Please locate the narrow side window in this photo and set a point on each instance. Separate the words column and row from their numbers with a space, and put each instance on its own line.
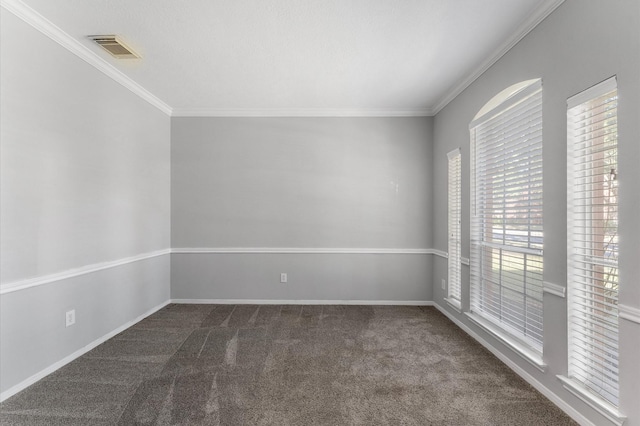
column 454, row 220
column 592, row 232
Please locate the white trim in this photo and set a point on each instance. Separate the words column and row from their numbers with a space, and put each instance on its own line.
column 503, row 96
column 520, row 348
column 453, row 153
column 499, row 103
column 629, row 313
column 465, row 261
column 76, row 272
column 455, row 304
column 33, row 18
column 304, row 302
column 440, row 253
column 592, row 92
column 300, row 112
column 64, row 361
column 300, row 250
column 525, row 27
column 598, row 404
column 554, row 289
column 95, row 267
column 553, row 397
column 46, row 27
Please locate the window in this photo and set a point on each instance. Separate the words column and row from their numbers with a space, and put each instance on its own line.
column 455, row 209
column 592, row 229
column 506, row 218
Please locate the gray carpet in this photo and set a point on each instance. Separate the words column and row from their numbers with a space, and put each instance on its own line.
column 285, row 365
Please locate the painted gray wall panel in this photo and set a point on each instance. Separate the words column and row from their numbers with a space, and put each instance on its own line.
column 399, row 277
column 306, row 183
column 84, row 179
column 84, row 166
column 32, row 321
column 301, row 182
column 579, row 45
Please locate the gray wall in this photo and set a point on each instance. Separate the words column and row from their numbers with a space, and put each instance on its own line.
column 33, row 332
column 359, row 183
column 579, row 45
column 84, row 180
column 85, row 176
column 311, row 277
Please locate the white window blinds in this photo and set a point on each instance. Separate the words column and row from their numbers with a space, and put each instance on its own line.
column 592, row 228
column 506, row 224
column 455, row 210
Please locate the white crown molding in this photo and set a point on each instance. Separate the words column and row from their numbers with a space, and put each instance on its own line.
column 299, row 112
column 46, row 27
column 297, row 250
column 304, row 302
column 629, row 313
column 33, row 18
column 64, row 361
column 554, row 289
column 76, row 272
column 525, row 27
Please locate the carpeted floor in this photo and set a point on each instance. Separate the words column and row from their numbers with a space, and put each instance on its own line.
column 285, row 365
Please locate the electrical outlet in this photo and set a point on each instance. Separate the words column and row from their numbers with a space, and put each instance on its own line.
column 444, row 284
column 70, row 317
column 283, row 277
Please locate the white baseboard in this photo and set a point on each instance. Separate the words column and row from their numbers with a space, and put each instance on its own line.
column 553, row 397
column 572, row 412
column 303, row 302
column 64, row 361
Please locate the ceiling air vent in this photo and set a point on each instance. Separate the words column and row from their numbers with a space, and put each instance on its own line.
column 114, row 45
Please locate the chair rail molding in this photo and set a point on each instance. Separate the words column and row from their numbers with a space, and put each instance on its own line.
column 629, row 313
column 95, row 267
column 76, row 272
column 300, row 250
column 554, row 289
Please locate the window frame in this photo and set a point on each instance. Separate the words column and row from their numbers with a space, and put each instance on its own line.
column 586, row 310
column 508, row 101
column 454, row 225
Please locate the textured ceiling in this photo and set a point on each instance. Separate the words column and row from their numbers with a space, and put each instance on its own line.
column 255, row 56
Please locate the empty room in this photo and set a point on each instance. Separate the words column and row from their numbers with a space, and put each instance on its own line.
column 339, row 212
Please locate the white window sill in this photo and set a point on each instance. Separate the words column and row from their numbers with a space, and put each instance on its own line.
column 594, row 401
column 526, row 352
column 455, row 304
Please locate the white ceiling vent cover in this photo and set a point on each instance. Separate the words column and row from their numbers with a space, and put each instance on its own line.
column 115, row 46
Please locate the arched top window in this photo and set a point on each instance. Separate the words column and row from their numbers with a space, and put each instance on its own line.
column 498, row 102
column 506, row 217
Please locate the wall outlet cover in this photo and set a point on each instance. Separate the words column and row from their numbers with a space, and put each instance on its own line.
column 70, row 317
